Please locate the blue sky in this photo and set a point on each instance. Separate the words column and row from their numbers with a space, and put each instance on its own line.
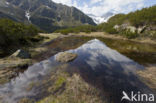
column 99, row 7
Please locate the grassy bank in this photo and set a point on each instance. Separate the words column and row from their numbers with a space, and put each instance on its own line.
column 107, row 35
column 11, row 66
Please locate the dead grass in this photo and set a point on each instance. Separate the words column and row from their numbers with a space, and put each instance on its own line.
column 113, row 36
column 9, row 66
column 13, row 62
column 65, row 57
column 148, row 76
column 38, row 49
column 71, row 89
column 49, row 37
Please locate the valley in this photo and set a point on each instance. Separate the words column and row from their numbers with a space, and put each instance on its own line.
column 54, row 53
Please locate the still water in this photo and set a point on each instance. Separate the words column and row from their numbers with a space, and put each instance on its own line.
column 99, row 63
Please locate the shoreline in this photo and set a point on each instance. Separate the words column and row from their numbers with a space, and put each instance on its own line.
column 114, row 36
column 10, row 67
column 144, row 75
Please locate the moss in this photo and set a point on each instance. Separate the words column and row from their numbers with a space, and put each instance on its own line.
column 59, row 81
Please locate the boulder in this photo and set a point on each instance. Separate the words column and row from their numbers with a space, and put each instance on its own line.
column 65, row 57
column 125, row 27
column 131, row 29
column 141, row 29
column 21, row 54
column 117, row 27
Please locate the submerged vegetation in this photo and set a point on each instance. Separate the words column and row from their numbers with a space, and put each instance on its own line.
column 62, row 86
column 14, row 35
column 70, row 88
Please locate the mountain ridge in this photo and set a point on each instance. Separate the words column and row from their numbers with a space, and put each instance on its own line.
column 43, row 13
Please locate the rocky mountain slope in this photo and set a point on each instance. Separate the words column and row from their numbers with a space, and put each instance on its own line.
column 43, row 13
column 101, row 19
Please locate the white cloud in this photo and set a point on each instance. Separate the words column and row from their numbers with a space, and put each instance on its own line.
column 66, row 2
column 75, row 4
column 99, row 7
column 95, row 1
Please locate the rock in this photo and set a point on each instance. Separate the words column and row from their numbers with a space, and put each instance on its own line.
column 117, row 27
column 125, row 27
column 65, row 57
column 131, row 29
column 21, row 54
column 141, row 29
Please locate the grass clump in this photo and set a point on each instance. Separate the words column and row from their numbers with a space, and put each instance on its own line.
column 70, row 88
column 148, row 76
column 76, row 90
column 59, row 82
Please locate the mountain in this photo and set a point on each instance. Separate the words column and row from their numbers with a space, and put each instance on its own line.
column 43, row 13
column 101, row 19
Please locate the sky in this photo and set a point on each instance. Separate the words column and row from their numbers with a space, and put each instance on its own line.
column 100, row 7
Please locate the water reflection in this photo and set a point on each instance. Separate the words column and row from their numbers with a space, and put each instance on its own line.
column 98, row 65
column 108, row 70
column 96, row 54
column 17, row 88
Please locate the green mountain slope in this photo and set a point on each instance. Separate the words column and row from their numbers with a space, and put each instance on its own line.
column 138, row 23
column 44, row 13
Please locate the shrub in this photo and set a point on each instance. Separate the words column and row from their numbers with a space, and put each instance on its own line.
column 154, row 35
column 14, row 35
column 111, row 31
column 128, row 34
column 146, row 16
